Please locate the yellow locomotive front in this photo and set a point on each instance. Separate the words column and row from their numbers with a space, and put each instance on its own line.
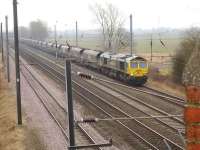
column 137, row 70
column 129, row 68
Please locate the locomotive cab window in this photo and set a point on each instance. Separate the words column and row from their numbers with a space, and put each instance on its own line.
column 134, row 65
column 105, row 61
column 143, row 65
column 122, row 65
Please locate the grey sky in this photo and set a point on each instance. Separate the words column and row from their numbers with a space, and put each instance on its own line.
column 147, row 14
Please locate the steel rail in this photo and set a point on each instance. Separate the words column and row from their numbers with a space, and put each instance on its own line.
column 53, row 117
column 61, row 80
column 174, row 99
column 158, row 133
column 157, row 93
column 139, row 100
column 46, row 107
column 44, row 66
column 52, row 74
column 127, row 115
column 177, row 101
column 165, row 94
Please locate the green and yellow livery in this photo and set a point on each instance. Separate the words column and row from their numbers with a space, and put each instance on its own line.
column 130, row 68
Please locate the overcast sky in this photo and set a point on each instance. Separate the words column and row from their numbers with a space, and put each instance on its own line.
column 147, row 14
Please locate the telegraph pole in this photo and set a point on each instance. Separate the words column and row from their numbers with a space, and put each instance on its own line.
column 19, row 114
column 7, row 50
column 2, row 42
column 55, row 32
column 131, row 34
column 151, row 44
column 70, row 102
column 55, row 37
column 76, row 33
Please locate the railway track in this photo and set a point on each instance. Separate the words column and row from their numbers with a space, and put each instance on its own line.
column 132, row 93
column 164, row 94
column 128, row 115
column 57, row 112
column 53, row 74
column 127, row 93
column 135, row 126
column 149, row 91
column 45, row 98
column 129, row 99
column 145, row 89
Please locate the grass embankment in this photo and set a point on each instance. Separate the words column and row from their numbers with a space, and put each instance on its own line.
column 160, row 77
column 12, row 136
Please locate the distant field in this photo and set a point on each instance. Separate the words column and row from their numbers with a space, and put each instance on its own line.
column 141, row 45
column 162, row 56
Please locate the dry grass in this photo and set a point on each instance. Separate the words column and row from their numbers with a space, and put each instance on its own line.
column 168, row 86
column 160, row 75
column 33, row 141
column 12, row 136
column 160, row 78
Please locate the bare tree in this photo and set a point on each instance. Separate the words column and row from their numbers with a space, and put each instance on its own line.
column 185, row 51
column 38, row 30
column 111, row 22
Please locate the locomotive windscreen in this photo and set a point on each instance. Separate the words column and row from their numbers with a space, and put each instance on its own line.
column 142, row 64
column 134, row 65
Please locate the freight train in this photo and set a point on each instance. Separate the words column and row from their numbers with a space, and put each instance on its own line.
column 131, row 69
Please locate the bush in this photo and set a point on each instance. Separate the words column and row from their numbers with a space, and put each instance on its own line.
column 184, row 51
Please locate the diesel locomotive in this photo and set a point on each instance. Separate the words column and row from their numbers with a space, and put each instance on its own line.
column 128, row 68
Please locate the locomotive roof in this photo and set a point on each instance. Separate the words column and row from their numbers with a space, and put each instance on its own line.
column 64, row 47
column 50, row 44
column 44, row 43
column 77, row 49
column 120, row 56
column 91, row 52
